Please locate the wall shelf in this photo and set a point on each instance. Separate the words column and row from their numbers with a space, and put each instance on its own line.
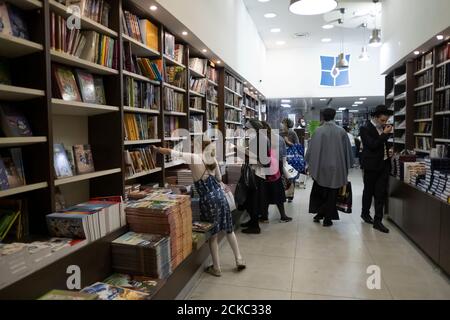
column 424, row 87
column 233, row 92
column 197, row 94
column 423, row 120
column 76, row 108
column 234, row 122
column 213, row 103
column 175, row 113
column 418, row 73
column 139, row 49
column 87, row 176
column 23, row 189
column 172, row 62
column 14, row 47
column 168, row 85
column 195, row 74
column 14, row 93
column 443, row 63
column 20, row 141
column 136, row 142
column 212, row 83
column 192, row 110
column 143, row 174
column 27, row 4
column 141, row 110
column 442, row 113
column 229, row 106
column 422, row 103
column 443, row 88
column 442, row 140
column 140, row 77
column 73, row 61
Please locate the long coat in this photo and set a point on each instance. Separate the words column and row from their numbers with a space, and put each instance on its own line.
column 329, row 156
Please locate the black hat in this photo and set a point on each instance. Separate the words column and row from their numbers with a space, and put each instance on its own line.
column 382, row 110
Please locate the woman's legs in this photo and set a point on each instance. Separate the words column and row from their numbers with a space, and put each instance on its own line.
column 283, row 215
column 214, row 248
column 231, row 237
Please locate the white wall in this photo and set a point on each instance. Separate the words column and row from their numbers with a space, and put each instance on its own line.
column 226, row 27
column 296, row 73
column 407, row 24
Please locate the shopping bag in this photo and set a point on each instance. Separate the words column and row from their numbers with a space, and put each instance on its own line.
column 229, row 196
column 289, row 172
column 344, row 199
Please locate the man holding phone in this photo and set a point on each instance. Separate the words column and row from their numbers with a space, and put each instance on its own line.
column 375, row 160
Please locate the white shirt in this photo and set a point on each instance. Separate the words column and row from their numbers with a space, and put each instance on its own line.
column 352, row 139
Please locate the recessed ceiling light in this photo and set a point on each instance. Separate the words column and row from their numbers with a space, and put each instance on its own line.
column 286, row 101
column 218, row 62
column 416, row 53
column 440, row 37
column 328, row 26
column 363, row 99
column 312, row 7
column 263, row 0
column 355, row 105
column 245, row 82
column 184, row 33
column 153, row 8
column 354, row 111
column 326, row 40
column 286, row 105
column 270, row 15
column 280, row 43
column 204, row 50
column 342, row 109
column 275, row 30
column 359, row 102
column 323, row 99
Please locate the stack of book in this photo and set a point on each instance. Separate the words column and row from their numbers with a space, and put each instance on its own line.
column 198, row 85
column 196, row 103
column 140, row 127
column 139, row 94
column 184, row 177
column 171, row 124
column 142, row 254
column 167, row 215
column 173, row 101
column 141, row 30
column 104, row 291
column 84, row 44
column 212, row 112
column 424, row 61
column 139, row 160
column 147, row 285
column 436, row 176
column 91, row 220
column 97, row 10
column 213, row 74
column 412, row 170
column 211, row 94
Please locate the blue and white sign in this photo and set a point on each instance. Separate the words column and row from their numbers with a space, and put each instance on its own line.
column 332, row 76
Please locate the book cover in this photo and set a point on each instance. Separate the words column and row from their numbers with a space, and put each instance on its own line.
column 62, row 164
column 16, row 154
column 84, row 162
column 86, row 84
column 18, row 22
column 13, row 122
column 138, row 283
column 100, row 97
column 150, row 34
column 3, row 176
column 68, row 225
column 5, row 72
column 108, row 292
column 67, row 295
column 14, row 178
column 66, row 84
column 71, row 158
column 5, row 24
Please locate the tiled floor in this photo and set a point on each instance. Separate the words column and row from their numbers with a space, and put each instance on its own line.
column 303, row 260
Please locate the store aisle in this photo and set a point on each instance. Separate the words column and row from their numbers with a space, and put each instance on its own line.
column 303, row 260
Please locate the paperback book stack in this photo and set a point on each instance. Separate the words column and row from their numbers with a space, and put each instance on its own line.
column 104, row 291
column 142, row 254
column 147, row 285
column 399, row 167
column 413, row 170
column 167, row 215
column 200, row 233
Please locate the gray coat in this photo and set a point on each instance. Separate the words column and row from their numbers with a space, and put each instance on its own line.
column 329, row 156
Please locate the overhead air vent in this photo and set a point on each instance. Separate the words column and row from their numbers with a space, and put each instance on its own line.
column 301, row 35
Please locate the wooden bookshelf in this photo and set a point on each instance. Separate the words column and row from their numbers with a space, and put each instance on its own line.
column 212, row 83
column 192, row 110
column 196, row 94
column 87, row 176
column 228, row 106
column 172, row 62
column 20, row 141
column 75, row 108
column 23, row 189
column 86, row 23
column 141, row 50
column 140, row 77
column 14, row 93
column 418, row 73
column 195, row 74
column 424, row 86
column 27, row 4
column 178, row 89
column 175, row 113
column 14, row 47
column 73, row 61
column 143, row 174
column 234, row 122
column 136, row 142
column 233, row 92
column 213, row 103
column 141, row 110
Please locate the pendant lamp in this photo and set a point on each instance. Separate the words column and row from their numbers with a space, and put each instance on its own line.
column 364, row 56
column 342, row 62
column 375, row 39
column 312, row 7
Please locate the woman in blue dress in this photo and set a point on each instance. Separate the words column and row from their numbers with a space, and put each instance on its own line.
column 214, row 207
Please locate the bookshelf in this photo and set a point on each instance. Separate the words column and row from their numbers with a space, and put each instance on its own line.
column 13, row 47
column 14, row 93
column 141, row 110
column 87, row 176
column 23, row 189
column 139, row 49
column 74, row 108
column 67, row 59
column 22, row 141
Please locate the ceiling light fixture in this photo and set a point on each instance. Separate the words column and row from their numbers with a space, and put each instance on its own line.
column 184, row 33
column 286, row 105
column 342, row 62
column 440, row 37
column 342, row 109
column 354, row 111
column 153, row 8
column 364, row 56
column 263, row 0
column 416, row 52
column 326, row 40
column 286, row 101
column 328, row 26
column 280, row 43
column 375, row 39
column 219, row 62
column 363, row 99
column 359, row 102
column 312, row 7
column 275, row 30
column 205, row 51
column 270, row 15
column 323, row 99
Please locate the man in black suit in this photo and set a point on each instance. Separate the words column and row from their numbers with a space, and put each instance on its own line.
column 376, row 164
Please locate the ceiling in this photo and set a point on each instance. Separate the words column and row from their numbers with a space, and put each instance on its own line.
column 356, row 13
column 306, row 104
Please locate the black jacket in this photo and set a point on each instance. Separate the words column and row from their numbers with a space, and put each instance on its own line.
column 374, row 144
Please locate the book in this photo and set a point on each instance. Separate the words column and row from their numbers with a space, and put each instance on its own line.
column 149, row 34
column 61, row 162
column 5, row 72
column 13, row 122
column 66, row 86
column 139, row 283
column 70, row 225
column 5, row 24
column 13, row 172
column 105, row 291
column 18, row 23
column 100, row 97
column 4, row 185
column 67, row 295
column 84, row 162
column 10, row 214
column 86, row 85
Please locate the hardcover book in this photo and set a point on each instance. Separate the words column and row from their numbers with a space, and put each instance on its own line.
column 12, row 172
column 18, row 22
column 109, row 292
column 84, row 162
column 62, row 164
column 66, row 84
column 13, row 122
column 86, row 84
column 100, row 97
column 139, row 283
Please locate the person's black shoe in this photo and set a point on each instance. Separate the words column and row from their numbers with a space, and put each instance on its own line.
column 380, row 227
column 367, row 218
column 317, row 218
column 286, row 219
column 327, row 223
column 252, row 230
column 245, row 224
column 289, row 200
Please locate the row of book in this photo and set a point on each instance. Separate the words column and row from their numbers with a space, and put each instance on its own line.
column 150, row 69
column 141, row 30
column 156, row 211
column 171, row 124
column 423, row 127
column 425, row 78
column 173, row 100
column 196, row 103
column 97, row 10
column 423, row 112
column 13, row 220
column 172, row 49
column 232, row 115
column 232, row 99
column 397, row 161
column 424, row 61
column 443, row 76
column 443, row 53
column 233, row 84
column 176, row 76
column 70, row 161
column 77, row 85
column 12, row 172
column 198, row 65
column 212, row 74
column 211, row 94
column 443, row 100
column 198, row 85
column 140, row 127
column 84, row 44
column 423, row 143
column 436, row 178
column 196, row 124
column 118, row 286
column 445, row 131
column 424, row 95
column 13, row 21
column 141, row 94
column 91, row 220
column 139, row 160
column 212, row 112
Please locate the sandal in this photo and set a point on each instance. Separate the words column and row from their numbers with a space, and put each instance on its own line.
column 240, row 265
column 212, row 271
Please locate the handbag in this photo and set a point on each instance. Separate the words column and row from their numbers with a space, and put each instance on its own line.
column 344, row 199
column 289, row 172
column 229, row 196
